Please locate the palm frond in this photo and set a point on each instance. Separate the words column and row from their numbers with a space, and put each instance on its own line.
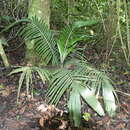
column 60, row 83
column 68, row 38
column 74, row 105
column 90, row 99
column 79, row 24
column 21, row 80
column 43, row 73
column 109, row 97
column 85, row 81
column 38, row 32
column 27, row 76
column 64, row 44
column 102, row 86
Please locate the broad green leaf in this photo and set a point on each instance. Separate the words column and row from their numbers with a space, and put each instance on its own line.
column 88, row 96
column 108, row 97
column 80, row 24
column 74, row 105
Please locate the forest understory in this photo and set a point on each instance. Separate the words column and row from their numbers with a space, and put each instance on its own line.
column 27, row 115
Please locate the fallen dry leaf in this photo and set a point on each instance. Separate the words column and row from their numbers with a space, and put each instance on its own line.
column 63, row 125
column 42, row 108
column 4, row 92
column 120, row 126
column 105, row 120
column 51, row 107
column 22, row 110
column 41, row 122
column 30, row 105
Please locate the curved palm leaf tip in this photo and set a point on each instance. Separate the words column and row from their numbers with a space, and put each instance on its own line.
column 85, row 82
column 38, row 32
column 26, row 75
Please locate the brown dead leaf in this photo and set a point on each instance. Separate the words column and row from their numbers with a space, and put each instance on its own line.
column 41, row 122
column 26, row 114
column 63, row 125
column 105, row 120
column 42, row 108
column 7, row 91
column 4, row 92
column 61, row 113
column 30, row 105
column 122, row 116
column 12, row 124
column 11, row 113
column 120, row 126
column 22, row 94
column 34, row 99
column 51, row 107
column 22, row 110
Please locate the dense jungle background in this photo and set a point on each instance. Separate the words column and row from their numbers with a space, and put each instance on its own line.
column 64, row 65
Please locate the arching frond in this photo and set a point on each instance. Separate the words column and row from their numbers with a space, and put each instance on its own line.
column 82, row 81
column 45, row 45
column 26, row 75
column 68, row 38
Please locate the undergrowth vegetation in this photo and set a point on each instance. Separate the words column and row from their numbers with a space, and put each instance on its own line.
column 74, row 76
column 62, row 44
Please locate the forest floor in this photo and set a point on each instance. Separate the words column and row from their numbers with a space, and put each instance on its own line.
column 35, row 114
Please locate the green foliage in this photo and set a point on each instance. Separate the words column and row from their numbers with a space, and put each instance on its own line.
column 75, row 77
column 86, row 116
column 14, row 24
column 79, row 80
column 43, row 39
column 27, row 75
column 68, row 38
column 84, row 82
column 45, row 44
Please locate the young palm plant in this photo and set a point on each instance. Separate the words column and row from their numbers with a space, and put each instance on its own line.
column 73, row 76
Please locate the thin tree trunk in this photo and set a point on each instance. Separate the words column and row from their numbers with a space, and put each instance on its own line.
column 110, row 32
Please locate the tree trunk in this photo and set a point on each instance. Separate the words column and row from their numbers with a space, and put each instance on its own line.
column 41, row 9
